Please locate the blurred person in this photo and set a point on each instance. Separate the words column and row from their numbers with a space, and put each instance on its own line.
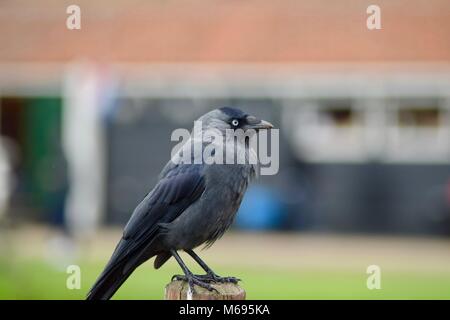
column 87, row 94
column 5, row 178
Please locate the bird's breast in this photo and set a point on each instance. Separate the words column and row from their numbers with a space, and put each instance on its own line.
column 213, row 213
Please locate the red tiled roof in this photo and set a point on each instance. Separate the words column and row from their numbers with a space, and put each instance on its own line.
column 226, row 31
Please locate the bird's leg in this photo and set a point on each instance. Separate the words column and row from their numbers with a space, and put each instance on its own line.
column 210, row 275
column 189, row 277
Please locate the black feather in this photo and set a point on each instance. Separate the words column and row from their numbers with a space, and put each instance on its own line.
column 233, row 113
column 181, row 186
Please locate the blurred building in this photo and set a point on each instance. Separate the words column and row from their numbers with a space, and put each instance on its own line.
column 364, row 115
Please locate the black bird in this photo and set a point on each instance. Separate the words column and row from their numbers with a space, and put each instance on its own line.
column 192, row 204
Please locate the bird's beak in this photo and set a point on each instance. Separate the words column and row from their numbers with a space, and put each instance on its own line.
column 264, row 125
column 257, row 124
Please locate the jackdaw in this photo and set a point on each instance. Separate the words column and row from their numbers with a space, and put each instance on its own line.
column 192, row 204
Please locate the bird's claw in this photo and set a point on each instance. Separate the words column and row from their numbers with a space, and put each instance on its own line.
column 195, row 280
column 233, row 280
column 212, row 277
column 178, row 277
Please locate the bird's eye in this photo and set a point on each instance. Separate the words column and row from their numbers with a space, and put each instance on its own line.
column 235, row 122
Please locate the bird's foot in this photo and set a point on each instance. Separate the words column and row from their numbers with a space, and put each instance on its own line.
column 194, row 279
column 212, row 277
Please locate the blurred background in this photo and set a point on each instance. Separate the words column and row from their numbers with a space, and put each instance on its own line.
column 364, row 118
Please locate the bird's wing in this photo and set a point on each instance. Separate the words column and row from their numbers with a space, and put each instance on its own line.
column 181, row 186
column 178, row 188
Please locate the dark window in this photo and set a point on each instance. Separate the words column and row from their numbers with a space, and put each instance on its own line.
column 419, row 117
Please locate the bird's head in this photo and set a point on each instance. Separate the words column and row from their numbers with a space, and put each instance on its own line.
column 231, row 118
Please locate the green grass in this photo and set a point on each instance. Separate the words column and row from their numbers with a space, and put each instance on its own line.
column 36, row 279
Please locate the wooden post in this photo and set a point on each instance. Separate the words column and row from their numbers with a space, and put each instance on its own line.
column 178, row 290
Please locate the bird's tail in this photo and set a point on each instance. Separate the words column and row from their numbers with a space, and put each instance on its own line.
column 109, row 281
